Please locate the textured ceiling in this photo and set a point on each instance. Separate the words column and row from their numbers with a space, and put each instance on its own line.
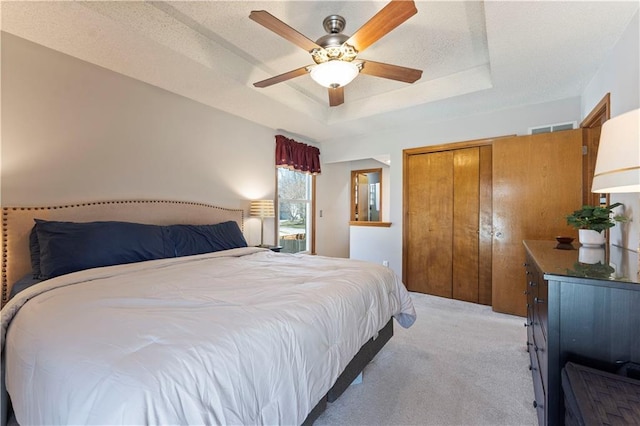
column 476, row 56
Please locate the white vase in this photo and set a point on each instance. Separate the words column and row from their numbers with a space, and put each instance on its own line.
column 590, row 238
column 591, row 255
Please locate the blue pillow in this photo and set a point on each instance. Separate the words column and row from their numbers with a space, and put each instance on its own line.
column 34, row 249
column 69, row 246
column 22, row 284
column 197, row 239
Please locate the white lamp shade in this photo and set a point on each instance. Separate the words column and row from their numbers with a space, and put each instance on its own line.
column 334, row 73
column 262, row 208
column 618, row 162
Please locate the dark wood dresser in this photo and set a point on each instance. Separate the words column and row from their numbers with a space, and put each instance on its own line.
column 578, row 310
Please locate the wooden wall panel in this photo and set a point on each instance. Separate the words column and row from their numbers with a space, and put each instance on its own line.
column 537, row 181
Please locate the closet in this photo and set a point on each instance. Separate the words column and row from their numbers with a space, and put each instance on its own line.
column 447, row 195
column 468, row 207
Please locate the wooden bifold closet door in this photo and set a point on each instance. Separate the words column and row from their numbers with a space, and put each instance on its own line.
column 448, row 222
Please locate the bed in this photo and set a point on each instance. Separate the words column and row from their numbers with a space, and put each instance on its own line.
column 188, row 326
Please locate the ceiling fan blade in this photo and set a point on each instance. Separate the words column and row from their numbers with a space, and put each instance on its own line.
column 383, row 22
column 282, row 77
column 336, row 96
column 272, row 23
column 393, row 72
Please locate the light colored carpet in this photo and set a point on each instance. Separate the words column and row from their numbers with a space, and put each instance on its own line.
column 459, row 364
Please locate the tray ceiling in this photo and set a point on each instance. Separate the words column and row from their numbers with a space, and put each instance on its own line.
column 476, row 56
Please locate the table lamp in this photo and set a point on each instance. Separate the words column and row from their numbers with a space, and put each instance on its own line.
column 262, row 209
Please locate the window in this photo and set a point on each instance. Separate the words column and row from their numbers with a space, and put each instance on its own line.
column 295, row 215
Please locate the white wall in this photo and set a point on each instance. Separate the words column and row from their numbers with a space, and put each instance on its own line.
column 334, row 236
column 73, row 131
column 380, row 245
column 620, row 76
column 365, row 241
column 332, row 198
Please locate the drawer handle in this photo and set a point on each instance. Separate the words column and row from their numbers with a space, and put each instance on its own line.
column 532, row 284
column 538, row 300
column 536, row 405
column 532, row 368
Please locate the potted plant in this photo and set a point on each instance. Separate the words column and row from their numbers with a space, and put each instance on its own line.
column 592, row 220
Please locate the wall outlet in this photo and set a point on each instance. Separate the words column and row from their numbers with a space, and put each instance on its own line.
column 385, row 263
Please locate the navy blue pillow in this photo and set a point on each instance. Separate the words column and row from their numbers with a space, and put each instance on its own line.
column 197, row 239
column 34, row 249
column 22, row 284
column 69, row 246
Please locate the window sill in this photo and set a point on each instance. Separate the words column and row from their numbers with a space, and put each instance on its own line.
column 364, row 223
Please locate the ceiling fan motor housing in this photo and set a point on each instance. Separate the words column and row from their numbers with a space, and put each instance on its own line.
column 333, row 43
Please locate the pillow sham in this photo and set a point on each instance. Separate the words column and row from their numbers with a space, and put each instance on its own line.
column 69, row 246
column 198, row 239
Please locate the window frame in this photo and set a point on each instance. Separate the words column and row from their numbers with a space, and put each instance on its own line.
column 311, row 214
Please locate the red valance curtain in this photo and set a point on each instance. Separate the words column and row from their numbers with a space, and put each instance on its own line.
column 297, row 156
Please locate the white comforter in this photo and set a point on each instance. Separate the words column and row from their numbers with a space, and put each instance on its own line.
column 244, row 336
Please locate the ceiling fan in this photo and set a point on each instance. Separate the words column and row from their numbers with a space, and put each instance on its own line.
column 335, row 54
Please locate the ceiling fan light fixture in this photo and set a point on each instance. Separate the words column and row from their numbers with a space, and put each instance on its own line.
column 334, row 74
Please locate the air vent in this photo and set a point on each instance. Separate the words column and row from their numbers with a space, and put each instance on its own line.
column 548, row 128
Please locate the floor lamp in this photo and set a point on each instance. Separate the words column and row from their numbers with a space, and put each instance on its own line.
column 262, row 209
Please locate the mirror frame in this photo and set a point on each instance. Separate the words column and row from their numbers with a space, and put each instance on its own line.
column 354, row 182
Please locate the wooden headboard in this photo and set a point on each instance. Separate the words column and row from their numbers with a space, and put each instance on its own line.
column 18, row 221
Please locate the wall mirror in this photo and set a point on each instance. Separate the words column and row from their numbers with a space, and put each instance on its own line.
column 366, row 195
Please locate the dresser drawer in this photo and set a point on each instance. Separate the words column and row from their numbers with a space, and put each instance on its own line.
column 540, row 397
column 541, row 355
column 540, row 305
